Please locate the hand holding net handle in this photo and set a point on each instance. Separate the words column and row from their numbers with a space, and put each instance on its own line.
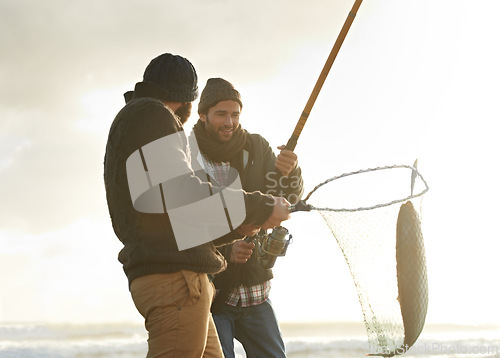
column 292, row 142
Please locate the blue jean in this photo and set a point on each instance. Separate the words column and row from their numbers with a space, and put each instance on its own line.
column 255, row 327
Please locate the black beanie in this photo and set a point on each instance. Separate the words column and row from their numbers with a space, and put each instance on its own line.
column 215, row 91
column 176, row 75
column 129, row 95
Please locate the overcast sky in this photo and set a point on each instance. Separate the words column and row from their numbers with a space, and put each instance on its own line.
column 414, row 79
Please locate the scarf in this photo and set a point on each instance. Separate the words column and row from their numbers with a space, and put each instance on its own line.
column 217, row 151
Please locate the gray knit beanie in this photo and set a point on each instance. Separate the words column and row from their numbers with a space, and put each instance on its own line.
column 175, row 75
column 215, row 91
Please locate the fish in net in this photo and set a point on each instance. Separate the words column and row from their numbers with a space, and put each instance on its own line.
column 374, row 215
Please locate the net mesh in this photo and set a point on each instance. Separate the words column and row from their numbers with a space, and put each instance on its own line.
column 362, row 213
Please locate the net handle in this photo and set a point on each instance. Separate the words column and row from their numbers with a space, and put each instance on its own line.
column 292, row 142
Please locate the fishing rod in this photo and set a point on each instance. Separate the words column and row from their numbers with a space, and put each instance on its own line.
column 292, row 142
column 272, row 240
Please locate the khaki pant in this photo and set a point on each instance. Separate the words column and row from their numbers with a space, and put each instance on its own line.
column 176, row 307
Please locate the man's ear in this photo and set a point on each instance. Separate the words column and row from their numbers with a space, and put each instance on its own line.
column 203, row 117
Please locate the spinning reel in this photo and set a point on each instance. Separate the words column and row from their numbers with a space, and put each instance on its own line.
column 273, row 245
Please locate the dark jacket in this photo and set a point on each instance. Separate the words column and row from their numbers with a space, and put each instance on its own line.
column 259, row 173
column 148, row 238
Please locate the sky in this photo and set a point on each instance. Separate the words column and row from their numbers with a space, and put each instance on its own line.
column 414, row 79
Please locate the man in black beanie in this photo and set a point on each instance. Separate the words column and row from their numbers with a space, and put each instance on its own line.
column 149, row 181
column 242, row 308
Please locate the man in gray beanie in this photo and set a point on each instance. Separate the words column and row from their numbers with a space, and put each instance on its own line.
column 149, row 180
column 242, row 308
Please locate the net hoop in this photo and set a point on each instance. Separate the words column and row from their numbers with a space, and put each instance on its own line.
column 389, row 203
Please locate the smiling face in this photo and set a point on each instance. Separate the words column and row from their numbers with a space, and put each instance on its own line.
column 222, row 120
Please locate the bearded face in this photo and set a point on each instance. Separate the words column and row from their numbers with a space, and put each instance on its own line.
column 184, row 111
column 222, row 120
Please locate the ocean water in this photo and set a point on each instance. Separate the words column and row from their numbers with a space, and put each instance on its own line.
column 303, row 340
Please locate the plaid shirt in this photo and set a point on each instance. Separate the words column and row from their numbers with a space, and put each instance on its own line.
column 217, row 170
column 249, row 296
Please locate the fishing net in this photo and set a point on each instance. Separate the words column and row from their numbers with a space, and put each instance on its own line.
column 374, row 215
